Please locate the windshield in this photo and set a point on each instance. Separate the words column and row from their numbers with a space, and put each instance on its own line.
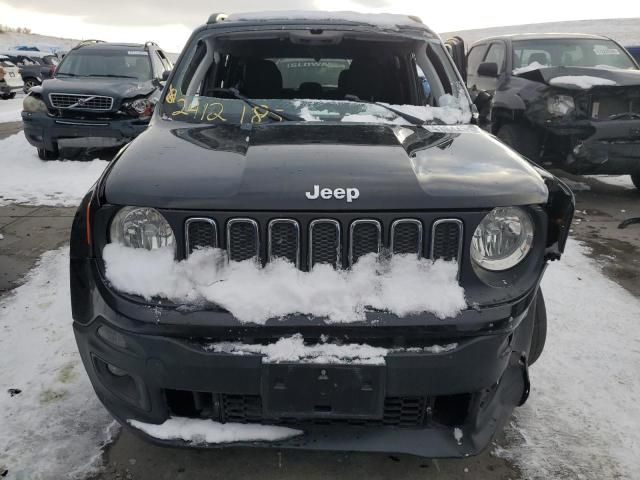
column 571, row 52
column 106, row 63
column 337, row 78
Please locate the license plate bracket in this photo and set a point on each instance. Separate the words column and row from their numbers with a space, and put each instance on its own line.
column 323, row 391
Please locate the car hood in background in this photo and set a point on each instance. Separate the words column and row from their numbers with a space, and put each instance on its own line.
column 622, row 78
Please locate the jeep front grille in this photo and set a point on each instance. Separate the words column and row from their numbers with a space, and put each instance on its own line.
column 309, row 241
column 325, row 242
column 81, row 102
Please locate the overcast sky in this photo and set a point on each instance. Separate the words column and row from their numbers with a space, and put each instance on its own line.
column 170, row 22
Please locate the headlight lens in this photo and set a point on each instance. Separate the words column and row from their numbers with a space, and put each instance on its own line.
column 141, row 227
column 33, row 104
column 503, row 239
column 141, row 107
column 560, row 105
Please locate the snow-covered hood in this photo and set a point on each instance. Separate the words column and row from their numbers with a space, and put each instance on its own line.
column 118, row 88
column 278, row 166
column 582, row 78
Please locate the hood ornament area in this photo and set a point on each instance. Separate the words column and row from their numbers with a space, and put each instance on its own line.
column 350, row 194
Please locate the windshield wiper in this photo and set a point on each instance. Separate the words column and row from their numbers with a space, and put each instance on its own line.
column 108, row 75
column 409, row 118
column 271, row 113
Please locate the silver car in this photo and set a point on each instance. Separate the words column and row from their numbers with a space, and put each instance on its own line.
column 10, row 79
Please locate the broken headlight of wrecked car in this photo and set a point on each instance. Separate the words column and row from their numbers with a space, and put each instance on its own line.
column 139, row 227
column 560, row 105
column 140, row 107
column 502, row 239
column 33, row 104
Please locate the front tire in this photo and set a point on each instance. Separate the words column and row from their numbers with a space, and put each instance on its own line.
column 539, row 335
column 9, row 96
column 523, row 140
column 635, row 178
column 45, row 154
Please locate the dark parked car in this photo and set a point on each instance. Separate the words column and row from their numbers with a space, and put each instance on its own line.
column 102, row 94
column 635, row 52
column 34, row 66
column 568, row 99
column 347, row 155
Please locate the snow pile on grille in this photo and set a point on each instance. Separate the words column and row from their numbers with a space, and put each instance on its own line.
column 293, row 349
column 26, row 179
column 584, row 82
column 52, row 425
column 199, row 431
column 402, row 285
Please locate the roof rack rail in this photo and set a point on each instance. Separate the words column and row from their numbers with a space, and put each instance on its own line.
column 88, row 42
column 216, row 17
column 150, row 44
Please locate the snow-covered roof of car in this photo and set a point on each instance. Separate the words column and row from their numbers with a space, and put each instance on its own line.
column 540, row 36
column 380, row 20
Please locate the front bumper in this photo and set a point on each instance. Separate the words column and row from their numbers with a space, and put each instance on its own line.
column 45, row 131
column 424, row 397
column 604, row 147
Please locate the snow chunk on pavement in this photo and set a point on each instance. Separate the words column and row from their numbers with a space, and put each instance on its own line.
column 402, row 285
column 201, row 431
column 28, row 180
column 581, row 81
column 55, row 427
column 616, row 180
column 583, row 415
column 529, row 68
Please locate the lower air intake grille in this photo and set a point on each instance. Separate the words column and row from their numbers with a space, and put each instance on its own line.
column 200, row 233
column 242, row 239
column 446, row 239
column 324, row 236
column 398, row 411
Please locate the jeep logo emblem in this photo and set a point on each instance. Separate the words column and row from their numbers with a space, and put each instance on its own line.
column 339, row 193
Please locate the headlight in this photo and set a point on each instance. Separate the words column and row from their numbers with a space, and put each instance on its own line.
column 33, row 104
column 140, row 227
column 560, row 105
column 503, row 239
column 141, row 107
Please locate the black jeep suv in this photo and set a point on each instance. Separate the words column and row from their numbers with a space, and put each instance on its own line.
column 567, row 99
column 102, row 95
column 307, row 143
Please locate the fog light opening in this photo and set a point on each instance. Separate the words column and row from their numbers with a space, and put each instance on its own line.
column 112, row 337
column 115, row 371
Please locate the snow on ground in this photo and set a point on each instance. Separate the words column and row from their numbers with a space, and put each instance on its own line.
column 10, row 109
column 584, row 82
column 197, row 431
column 617, row 180
column 583, row 416
column 402, row 285
column 52, row 424
column 9, row 40
column 28, row 180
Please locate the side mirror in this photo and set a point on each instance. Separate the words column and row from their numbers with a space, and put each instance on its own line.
column 165, row 75
column 46, row 72
column 488, row 69
column 482, row 102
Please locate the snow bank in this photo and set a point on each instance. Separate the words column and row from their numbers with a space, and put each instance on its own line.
column 617, row 180
column 10, row 109
column 529, row 68
column 55, row 426
column 26, row 179
column 582, row 419
column 199, row 431
column 402, row 285
column 584, row 82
